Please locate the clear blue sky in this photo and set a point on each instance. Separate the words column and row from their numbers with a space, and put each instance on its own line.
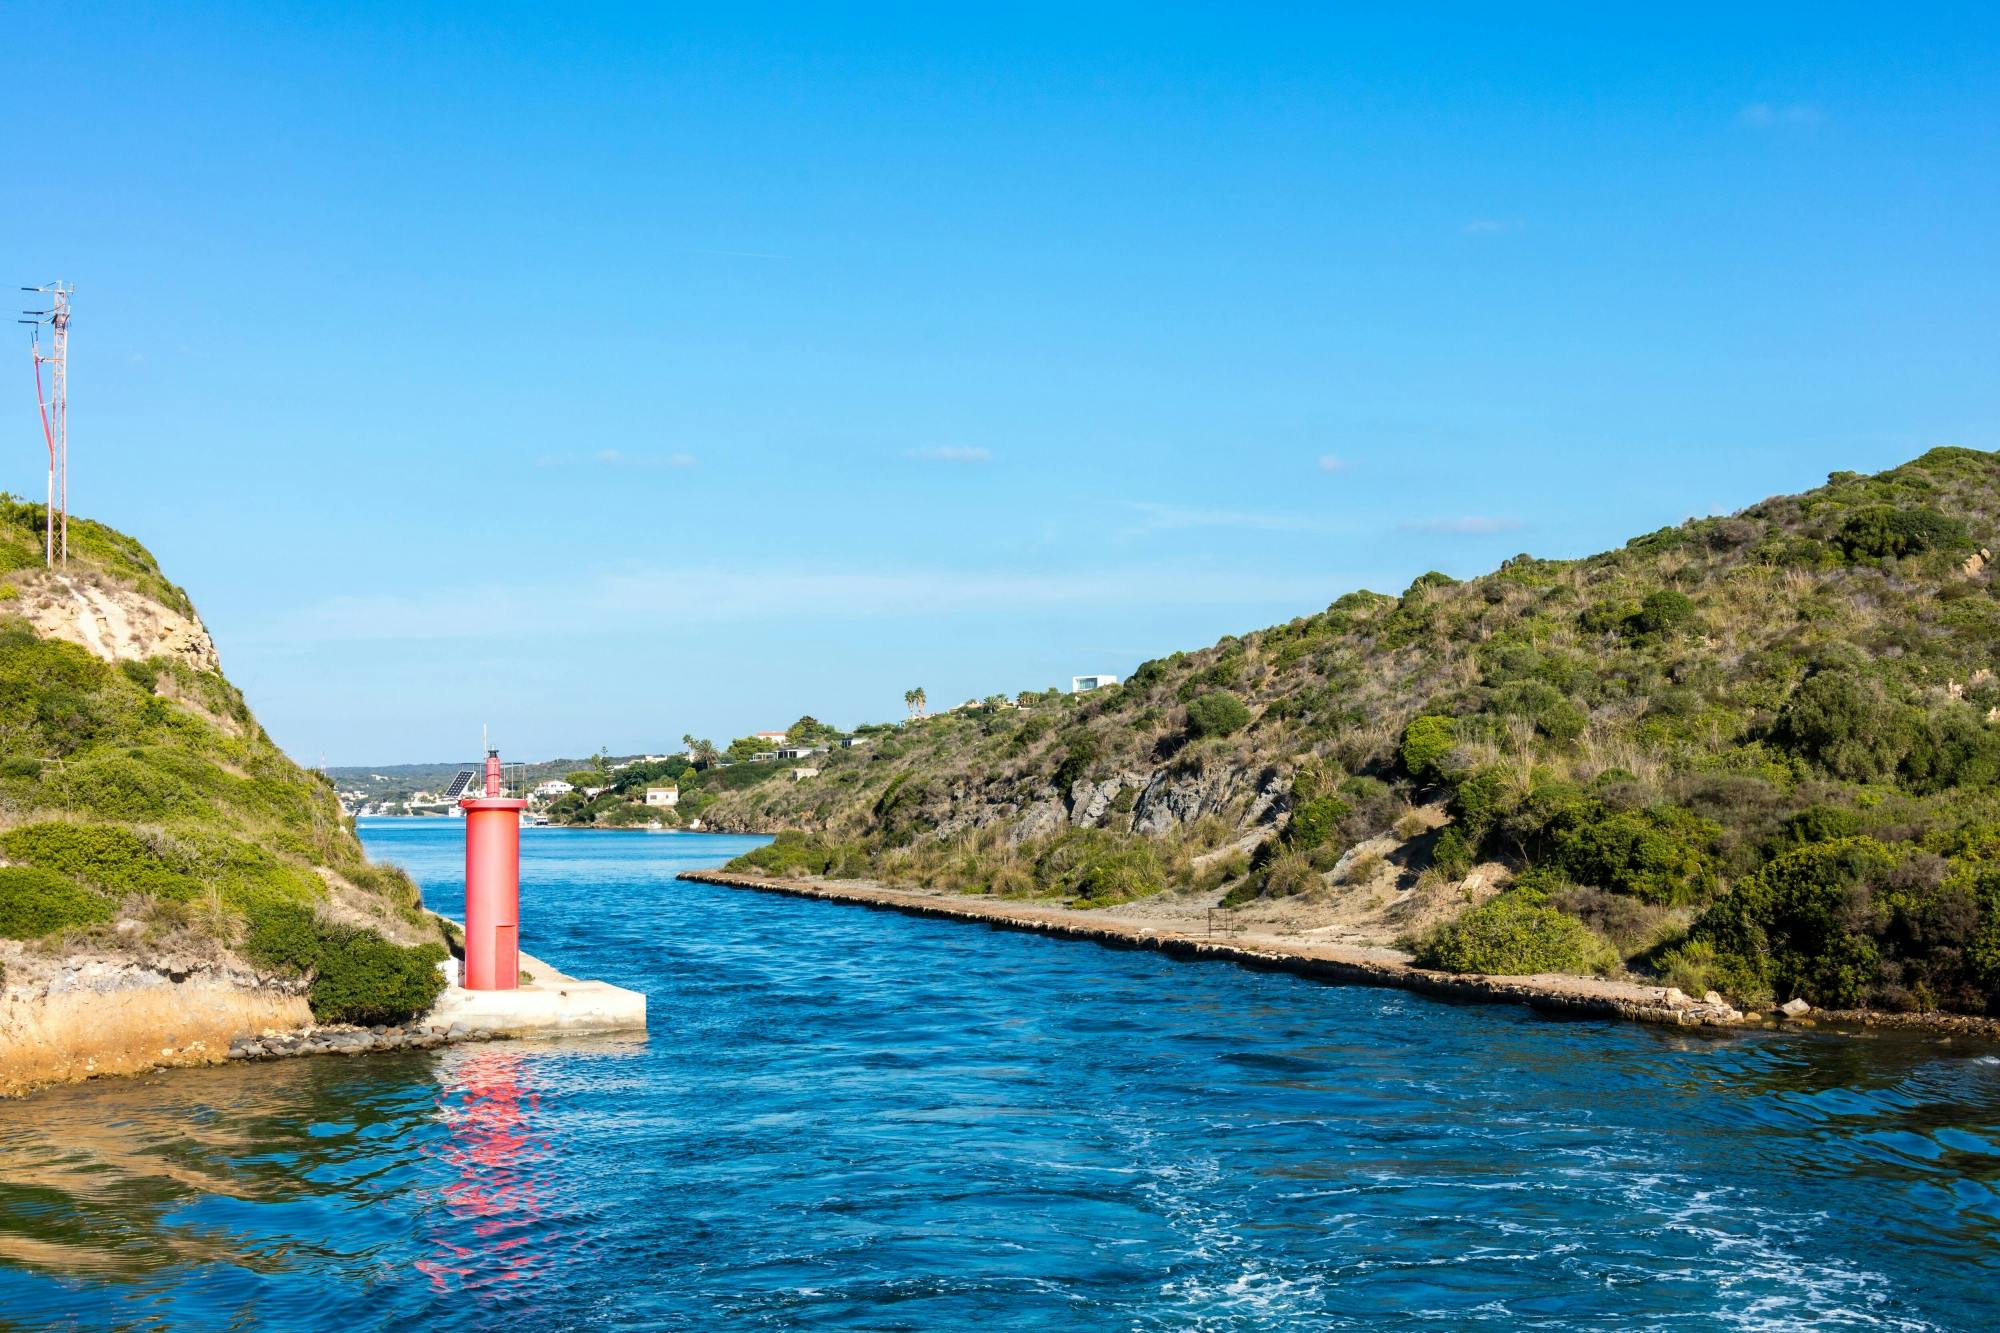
column 609, row 374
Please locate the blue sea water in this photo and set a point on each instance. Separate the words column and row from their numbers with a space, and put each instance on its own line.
column 848, row 1118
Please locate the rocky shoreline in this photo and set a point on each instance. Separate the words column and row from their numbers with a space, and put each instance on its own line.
column 340, row 1039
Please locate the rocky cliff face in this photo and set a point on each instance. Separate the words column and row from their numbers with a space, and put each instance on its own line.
column 110, row 621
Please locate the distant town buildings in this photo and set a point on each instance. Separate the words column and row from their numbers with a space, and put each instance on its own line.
column 1084, row 684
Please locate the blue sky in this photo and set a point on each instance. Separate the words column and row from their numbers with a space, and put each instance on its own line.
column 614, row 374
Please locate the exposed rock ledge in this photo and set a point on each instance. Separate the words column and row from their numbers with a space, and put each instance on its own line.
column 1587, row 996
column 98, row 1016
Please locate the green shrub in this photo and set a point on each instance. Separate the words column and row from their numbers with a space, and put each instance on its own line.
column 363, row 978
column 1953, row 746
column 1843, row 722
column 1119, row 876
column 1663, row 613
column 35, row 902
column 1096, row 866
column 105, row 856
column 1803, row 924
column 1217, row 714
column 1079, row 754
column 1315, row 821
column 1427, row 742
column 1879, row 531
column 119, row 786
column 357, row 976
column 1552, row 712
column 1515, row 934
column 1288, row 876
column 1453, row 853
column 1660, row 855
column 1692, row 966
column 796, row 853
column 1822, row 823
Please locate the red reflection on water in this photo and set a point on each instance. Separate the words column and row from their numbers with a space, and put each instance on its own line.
column 497, row 1196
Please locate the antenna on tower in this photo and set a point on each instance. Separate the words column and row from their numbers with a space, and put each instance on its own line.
column 54, row 403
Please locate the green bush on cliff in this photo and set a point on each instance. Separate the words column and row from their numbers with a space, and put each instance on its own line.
column 1216, row 714
column 1427, row 743
column 1878, row 531
column 357, row 976
column 36, row 902
column 105, row 856
column 1515, row 934
column 1659, row 855
column 363, row 978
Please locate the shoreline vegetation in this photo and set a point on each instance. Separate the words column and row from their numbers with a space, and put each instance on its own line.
column 1756, row 755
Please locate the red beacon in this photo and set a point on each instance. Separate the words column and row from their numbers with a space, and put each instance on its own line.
column 492, row 885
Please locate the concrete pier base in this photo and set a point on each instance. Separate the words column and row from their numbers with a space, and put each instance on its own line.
column 546, row 1004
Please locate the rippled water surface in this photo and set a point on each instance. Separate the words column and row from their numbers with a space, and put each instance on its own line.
column 850, row 1118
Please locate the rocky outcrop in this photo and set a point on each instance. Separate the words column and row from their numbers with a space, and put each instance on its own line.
column 1171, row 798
column 1041, row 819
column 116, row 623
column 1090, row 803
column 94, row 1016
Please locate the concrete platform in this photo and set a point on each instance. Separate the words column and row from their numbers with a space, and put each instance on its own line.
column 546, row 1004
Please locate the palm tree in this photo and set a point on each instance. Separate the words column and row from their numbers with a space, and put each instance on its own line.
column 914, row 701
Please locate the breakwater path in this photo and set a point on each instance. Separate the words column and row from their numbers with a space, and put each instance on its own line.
column 1582, row 996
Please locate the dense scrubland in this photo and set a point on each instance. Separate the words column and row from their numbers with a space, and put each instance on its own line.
column 1754, row 753
column 144, row 815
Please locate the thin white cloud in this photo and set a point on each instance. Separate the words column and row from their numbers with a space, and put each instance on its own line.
column 1469, row 524
column 1333, row 463
column 1175, row 518
column 624, row 601
column 951, row 453
column 616, row 458
column 1770, row 116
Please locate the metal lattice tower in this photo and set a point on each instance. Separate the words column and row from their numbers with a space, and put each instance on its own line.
column 54, row 403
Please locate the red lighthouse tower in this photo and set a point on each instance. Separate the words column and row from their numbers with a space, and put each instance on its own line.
column 492, row 885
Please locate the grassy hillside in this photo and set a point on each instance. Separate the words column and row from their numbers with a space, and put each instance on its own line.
column 1757, row 753
column 145, row 815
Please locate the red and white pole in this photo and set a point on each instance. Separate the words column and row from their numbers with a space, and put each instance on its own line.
column 492, row 885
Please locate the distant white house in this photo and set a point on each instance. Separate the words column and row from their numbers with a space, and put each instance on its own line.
column 553, row 787
column 801, row 774
column 798, row 751
column 667, row 797
column 1084, row 684
column 853, row 742
column 769, row 735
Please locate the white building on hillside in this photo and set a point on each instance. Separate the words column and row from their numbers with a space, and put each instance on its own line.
column 1084, row 684
column 667, row 797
